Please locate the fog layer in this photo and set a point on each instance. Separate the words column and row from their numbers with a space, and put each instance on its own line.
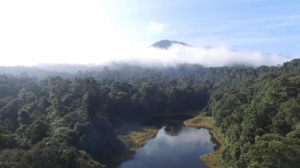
column 149, row 56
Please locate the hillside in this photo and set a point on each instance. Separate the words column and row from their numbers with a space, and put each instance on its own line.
column 165, row 44
column 69, row 121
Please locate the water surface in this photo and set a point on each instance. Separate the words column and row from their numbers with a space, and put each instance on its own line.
column 173, row 147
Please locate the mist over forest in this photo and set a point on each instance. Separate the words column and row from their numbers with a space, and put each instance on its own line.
column 165, row 56
column 87, row 84
column 57, row 111
column 164, row 53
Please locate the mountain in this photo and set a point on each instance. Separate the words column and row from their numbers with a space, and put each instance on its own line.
column 165, row 44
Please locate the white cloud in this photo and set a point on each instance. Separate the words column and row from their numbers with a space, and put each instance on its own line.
column 69, row 31
column 215, row 56
column 78, row 32
column 153, row 26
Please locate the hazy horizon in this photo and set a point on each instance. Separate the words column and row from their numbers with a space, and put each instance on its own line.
column 216, row 56
column 98, row 32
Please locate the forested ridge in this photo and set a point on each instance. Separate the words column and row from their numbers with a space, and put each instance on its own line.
column 59, row 119
column 261, row 118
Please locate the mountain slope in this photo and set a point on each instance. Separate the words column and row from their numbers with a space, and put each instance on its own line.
column 165, row 44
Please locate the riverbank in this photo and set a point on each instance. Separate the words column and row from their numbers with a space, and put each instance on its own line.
column 140, row 137
column 133, row 136
column 212, row 160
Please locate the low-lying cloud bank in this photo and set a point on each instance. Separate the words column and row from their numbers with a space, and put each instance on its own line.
column 148, row 56
column 210, row 57
column 177, row 54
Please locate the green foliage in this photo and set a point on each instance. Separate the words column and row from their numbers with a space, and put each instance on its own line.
column 262, row 105
column 273, row 150
column 51, row 153
column 255, row 111
column 6, row 137
column 37, row 131
column 294, row 134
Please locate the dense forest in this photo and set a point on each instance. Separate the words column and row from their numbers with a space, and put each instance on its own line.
column 63, row 119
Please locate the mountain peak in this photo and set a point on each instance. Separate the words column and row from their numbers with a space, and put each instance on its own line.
column 165, row 44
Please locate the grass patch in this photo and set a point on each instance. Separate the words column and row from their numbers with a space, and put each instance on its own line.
column 212, row 160
column 140, row 137
column 133, row 140
column 212, row 122
column 6, row 137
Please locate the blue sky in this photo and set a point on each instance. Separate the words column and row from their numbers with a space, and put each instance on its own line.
column 97, row 31
column 265, row 25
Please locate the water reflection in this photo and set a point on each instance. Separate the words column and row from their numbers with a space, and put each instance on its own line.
column 173, row 146
column 172, row 131
column 169, row 120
